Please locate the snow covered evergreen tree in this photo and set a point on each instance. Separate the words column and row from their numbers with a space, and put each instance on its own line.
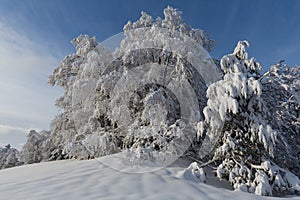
column 236, row 115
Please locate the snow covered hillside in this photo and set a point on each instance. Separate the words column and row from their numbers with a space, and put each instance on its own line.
column 90, row 179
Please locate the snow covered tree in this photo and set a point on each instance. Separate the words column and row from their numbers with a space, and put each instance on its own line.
column 101, row 116
column 37, row 147
column 236, row 115
column 281, row 94
column 9, row 157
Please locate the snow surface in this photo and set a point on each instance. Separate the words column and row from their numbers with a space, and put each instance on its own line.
column 90, row 179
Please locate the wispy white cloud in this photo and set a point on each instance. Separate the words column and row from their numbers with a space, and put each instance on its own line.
column 15, row 136
column 6, row 129
column 26, row 100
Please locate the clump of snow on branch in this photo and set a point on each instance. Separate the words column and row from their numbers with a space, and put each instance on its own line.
column 193, row 173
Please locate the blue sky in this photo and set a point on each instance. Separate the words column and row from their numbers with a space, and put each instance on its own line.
column 35, row 35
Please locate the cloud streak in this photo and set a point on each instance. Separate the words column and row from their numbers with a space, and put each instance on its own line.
column 26, row 100
column 15, row 136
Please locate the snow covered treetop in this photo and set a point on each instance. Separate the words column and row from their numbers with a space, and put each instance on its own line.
column 171, row 35
column 238, row 61
column 172, row 21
